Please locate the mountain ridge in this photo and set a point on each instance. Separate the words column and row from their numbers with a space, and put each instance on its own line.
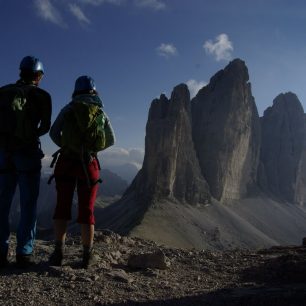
column 208, row 152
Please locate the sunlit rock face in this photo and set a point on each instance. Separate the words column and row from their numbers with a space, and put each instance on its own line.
column 171, row 168
column 215, row 147
column 226, row 132
column 283, row 153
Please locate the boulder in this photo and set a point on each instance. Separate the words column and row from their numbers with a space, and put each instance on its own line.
column 150, row 260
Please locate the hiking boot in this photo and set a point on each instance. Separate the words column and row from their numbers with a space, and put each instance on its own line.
column 88, row 258
column 56, row 258
column 24, row 260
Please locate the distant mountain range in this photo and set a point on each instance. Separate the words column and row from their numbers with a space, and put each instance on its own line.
column 127, row 171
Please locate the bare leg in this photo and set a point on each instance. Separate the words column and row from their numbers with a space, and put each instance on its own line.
column 87, row 232
column 60, row 230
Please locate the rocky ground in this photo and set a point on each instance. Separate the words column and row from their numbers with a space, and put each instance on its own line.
column 132, row 271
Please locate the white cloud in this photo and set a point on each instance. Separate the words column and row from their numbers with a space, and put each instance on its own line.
column 78, row 13
column 153, row 4
column 166, row 50
column 125, row 162
column 194, row 86
column 221, row 49
column 100, row 2
column 50, row 12
column 47, row 11
column 116, row 156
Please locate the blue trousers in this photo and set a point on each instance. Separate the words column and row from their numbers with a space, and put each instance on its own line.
column 20, row 168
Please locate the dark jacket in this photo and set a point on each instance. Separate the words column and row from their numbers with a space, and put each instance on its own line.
column 39, row 106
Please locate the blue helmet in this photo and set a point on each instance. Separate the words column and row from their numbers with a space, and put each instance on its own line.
column 31, row 63
column 84, row 82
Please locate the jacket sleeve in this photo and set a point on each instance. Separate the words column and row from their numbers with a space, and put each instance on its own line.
column 57, row 126
column 109, row 133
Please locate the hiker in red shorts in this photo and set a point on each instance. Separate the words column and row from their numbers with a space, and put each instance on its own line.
column 81, row 130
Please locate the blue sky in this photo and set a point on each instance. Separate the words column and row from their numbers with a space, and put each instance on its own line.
column 137, row 49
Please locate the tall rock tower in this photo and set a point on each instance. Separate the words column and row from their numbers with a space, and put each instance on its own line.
column 226, row 132
column 170, row 167
column 283, row 156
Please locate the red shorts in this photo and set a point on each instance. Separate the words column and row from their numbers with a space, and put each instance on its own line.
column 69, row 174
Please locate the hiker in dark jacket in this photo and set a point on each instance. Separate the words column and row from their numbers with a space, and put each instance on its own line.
column 25, row 115
column 80, row 130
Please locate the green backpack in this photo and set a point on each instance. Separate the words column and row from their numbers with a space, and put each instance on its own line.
column 83, row 130
column 16, row 124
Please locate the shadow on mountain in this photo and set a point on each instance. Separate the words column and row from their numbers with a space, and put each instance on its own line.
column 122, row 215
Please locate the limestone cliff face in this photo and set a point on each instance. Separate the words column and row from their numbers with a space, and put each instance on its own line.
column 283, row 149
column 300, row 188
column 209, row 148
column 226, row 132
column 170, row 167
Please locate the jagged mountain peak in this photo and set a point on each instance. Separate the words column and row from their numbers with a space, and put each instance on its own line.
column 239, row 66
column 180, row 92
column 290, row 101
column 226, row 125
column 170, row 165
column 205, row 153
column 283, row 145
column 235, row 72
column 162, row 107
